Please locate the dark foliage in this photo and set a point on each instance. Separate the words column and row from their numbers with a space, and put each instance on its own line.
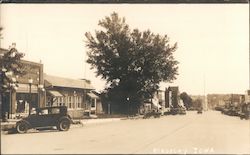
column 10, row 69
column 132, row 62
column 187, row 100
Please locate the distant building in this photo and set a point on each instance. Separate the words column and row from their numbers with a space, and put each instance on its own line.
column 161, row 98
column 217, row 100
column 247, row 96
column 196, row 98
column 172, row 97
column 224, row 100
column 158, row 100
column 77, row 95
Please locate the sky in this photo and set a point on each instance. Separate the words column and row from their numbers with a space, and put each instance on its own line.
column 213, row 39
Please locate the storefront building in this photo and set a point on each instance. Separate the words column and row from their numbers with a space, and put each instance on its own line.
column 75, row 94
column 30, row 91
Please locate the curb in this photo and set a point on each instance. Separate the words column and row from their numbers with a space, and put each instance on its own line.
column 8, row 125
column 99, row 121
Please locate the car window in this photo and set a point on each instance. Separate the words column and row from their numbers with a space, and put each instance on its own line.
column 44, row 112
column 55, row 111
column 33, row 111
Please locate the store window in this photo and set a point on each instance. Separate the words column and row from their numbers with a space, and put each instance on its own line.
column 79, row 101
column 93, row 103
column 70, row 102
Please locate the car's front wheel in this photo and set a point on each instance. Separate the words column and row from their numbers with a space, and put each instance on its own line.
column 63, row 125
column 22, row 127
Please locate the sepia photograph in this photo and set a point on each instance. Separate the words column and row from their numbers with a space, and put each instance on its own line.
column 124, row 78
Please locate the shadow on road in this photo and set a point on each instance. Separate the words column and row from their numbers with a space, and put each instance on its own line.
column 32, row 131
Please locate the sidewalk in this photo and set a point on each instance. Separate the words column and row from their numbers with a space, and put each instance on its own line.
column 12, row 122
column 97, row 120
column 105, row 120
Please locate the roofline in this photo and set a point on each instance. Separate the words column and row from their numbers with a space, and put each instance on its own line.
column 52, row 85
column 51, row 107
column 31, row 62
column 3, row 50
column 71, row 87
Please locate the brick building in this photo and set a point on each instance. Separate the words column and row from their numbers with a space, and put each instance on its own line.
column 172, row 97
column 36, row 89
column 30, row 91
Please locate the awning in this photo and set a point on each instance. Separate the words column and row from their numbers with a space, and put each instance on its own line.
column 55, row 93
column 92, row 95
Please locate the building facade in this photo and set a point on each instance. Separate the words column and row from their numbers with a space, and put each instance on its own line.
column 77, row 95
column 172, row 97
column 36, row 89
column 215, row 100
column 29, row 91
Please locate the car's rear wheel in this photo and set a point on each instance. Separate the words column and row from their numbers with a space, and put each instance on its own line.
column 63, row 125
column 22, row 127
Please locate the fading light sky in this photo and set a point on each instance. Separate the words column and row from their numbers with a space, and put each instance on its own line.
column 213, row 39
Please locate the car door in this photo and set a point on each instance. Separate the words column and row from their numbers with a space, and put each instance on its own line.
column 33, row 119
column 54, row 115
column 43, row 118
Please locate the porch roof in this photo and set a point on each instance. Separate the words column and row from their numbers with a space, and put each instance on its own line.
column 55, row 93
column 66, row 82
column 92, row 95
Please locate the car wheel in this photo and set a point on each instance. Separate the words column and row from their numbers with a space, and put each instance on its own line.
column 22, row 127
column 63, row 125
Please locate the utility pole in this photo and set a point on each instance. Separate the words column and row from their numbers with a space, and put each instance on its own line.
column 205, row 103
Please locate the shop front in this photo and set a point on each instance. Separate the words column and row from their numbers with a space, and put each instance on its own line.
column 29, row 92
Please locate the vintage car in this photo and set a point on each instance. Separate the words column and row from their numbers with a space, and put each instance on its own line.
column 231, row 111
column 244, row 113
column 219, row 108
column 179, row 110
column 174, row 111
column 199, row 111
column 182, row 111
column 153, row 113
column 44, row 118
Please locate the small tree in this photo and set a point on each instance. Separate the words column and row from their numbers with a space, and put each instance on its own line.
column 187, row 100
column 10, row 69
column 132, row 62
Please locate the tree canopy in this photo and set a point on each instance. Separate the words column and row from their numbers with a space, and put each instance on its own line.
column 10, row 68
column 133, row 62
column 187, row 100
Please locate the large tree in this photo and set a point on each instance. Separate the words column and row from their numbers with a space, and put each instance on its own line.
column 132, row 62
